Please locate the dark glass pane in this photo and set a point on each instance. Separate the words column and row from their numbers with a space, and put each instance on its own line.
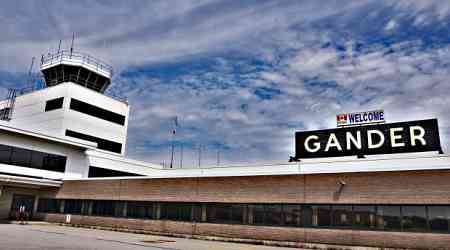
column 258, row 214
column 101, row 143
column 37, row 160
column 54, row 104
column 5, row 154
column 364, row 217
column 21, row 157
column 321, row 215
column 95, row 111
column 438, row 218
column 54, row 163
column 342, row 216
column 119, row 207
column 72, row 206
column 85, row 208
column 185, row 211
column 218, row 213
column 49, row 206
column 103, row 172
column 414, row 218
column 136, row 209
column 197, row 213
column 307, row 215
column 388, row 218
column 169, row 211
column 291, row 215
column 273, row 215
column 103, row 208
column 237, row 214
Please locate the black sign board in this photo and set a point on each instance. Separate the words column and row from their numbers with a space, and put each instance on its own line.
column 389, row 138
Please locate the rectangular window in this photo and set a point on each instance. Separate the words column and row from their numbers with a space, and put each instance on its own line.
column 237, row 214
column 389, row 218
column 342, row 216
column 307, row 216
column 95, row 111
column 140, row 209
column 5, row 154
column 258, row 214
column 438, row 217
column 21, row 157
column 103, row 208
column 54, row 104
column 33, row 159
column 103, row 172
column 218, row 213
column 273, row 215
column 414, row 218
column 49, row 206
column 291, row 215
column 321, row 215
column 176, row 211
column 364, row 217
column 101, row 143
column 73, row 206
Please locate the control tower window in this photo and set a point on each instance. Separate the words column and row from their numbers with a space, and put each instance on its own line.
column 101, row 143
column 95, row 111
column 54, row 104
column 32, row 159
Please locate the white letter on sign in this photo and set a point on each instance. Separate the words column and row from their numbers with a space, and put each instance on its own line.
column 333, row 142
column 316, row 144
column 394, row 137
column 415, row 137
column 370, row 141
column 356, row 142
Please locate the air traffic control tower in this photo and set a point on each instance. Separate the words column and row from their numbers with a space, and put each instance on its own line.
column 79, row 68
column 73, row 104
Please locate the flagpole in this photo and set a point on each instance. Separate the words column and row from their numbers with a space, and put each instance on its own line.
column 173, row 148
column 173, row 140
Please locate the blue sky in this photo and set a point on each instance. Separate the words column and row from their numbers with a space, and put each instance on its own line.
column 243, row 76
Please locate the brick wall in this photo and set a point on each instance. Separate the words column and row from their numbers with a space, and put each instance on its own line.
column 407, row 187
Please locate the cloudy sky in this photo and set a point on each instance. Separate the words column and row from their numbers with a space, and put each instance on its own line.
column 243, row 76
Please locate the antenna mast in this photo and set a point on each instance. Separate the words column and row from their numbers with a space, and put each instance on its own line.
column 59, row 46
column 30, row 80
column 71, row 46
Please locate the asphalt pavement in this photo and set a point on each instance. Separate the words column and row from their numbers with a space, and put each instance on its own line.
column 51, row 236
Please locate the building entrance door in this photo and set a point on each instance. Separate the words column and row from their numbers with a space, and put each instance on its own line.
column 22, row 200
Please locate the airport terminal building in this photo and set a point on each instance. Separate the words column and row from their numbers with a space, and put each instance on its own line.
column 62, row 156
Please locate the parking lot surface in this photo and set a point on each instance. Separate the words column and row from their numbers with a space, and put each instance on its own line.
column 50, row 236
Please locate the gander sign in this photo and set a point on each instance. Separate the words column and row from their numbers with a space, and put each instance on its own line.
column 402, row 137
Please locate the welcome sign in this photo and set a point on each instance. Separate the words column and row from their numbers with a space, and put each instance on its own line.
column 389, row 138
column 359, row 118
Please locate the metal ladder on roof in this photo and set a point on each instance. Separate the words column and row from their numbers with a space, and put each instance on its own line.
column 7, row 110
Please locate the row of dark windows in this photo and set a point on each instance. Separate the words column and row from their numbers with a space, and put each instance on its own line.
column 95, row 111
column 103, row 172
column 101, row 143
column 407, row 218
column 86, row 108
column 32, row 159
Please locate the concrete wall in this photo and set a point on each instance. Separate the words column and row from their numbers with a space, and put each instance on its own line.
column 29, row 113
column 76, row 165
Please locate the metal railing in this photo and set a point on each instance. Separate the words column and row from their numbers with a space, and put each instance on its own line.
column 76, row 57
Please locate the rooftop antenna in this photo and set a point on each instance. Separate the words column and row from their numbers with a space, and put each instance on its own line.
column 59, row 46
column 71, row 46
column 30, row 80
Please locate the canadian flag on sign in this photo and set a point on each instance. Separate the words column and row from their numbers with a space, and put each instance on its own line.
column 342, row 117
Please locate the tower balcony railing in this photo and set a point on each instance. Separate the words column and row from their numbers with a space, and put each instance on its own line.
column 76, row 58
